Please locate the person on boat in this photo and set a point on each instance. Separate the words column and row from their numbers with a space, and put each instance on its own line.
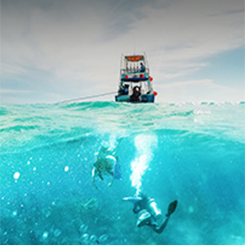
column 124, row 89
column 142, row 67
column 135, row 97
column 149, row 214
column 106, row 163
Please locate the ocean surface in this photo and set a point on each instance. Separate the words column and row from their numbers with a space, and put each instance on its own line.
column 193, row 153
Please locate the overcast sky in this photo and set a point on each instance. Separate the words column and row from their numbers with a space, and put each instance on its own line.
column 53, row 50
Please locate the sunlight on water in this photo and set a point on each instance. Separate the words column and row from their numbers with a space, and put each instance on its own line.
column 144, row 145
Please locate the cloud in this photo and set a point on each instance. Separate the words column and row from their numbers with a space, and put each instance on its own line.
column 75, row 46
column 198, row 91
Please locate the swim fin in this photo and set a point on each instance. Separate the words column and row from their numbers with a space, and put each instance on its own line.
column 117, row 170
column 171, row 208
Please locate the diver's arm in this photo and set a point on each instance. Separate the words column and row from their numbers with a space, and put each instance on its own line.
column 135, row 201
column 132, row 199
column 136, row 208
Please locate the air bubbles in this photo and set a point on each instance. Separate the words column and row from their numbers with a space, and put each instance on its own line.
column 16, row 175
column 85, row 238
column 29, row 162
column 66, row 168
column 93, row 239
column 45, row 235
column 14, row 213
column 83, row 228
column 57, row 232
column 103, row 238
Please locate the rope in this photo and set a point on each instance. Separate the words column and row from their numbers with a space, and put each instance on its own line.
column 88, row 97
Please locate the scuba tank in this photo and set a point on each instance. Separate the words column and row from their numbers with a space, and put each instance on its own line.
column 153, row 208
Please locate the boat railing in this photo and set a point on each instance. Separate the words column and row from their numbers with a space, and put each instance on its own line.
column 133, row 71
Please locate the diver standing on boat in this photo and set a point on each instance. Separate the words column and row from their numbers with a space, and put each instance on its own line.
column 149, row 214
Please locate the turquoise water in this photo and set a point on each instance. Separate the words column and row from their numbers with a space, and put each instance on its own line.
column 190, row 152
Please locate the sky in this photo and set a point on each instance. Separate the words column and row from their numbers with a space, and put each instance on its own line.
column 55, row 50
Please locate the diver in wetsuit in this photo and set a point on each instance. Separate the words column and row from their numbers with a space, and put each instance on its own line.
column 135, row 97
column 149, row 214
column 107, row 163
column 103, row 166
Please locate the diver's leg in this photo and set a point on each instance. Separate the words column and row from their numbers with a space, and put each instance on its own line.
column 171, row 208
column 159, row 229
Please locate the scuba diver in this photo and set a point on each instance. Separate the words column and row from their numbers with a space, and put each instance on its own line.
column 149, row 214
column 135, row 97
column 106, row 164
column 103, row 166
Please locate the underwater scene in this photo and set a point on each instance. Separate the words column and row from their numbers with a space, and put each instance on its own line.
column 53, row 192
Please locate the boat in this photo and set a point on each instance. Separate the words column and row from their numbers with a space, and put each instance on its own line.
column 135, row 84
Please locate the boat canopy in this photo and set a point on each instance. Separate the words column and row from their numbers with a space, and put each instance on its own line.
column 134, row 58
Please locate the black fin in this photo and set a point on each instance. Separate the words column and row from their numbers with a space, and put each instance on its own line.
column 171, row 208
